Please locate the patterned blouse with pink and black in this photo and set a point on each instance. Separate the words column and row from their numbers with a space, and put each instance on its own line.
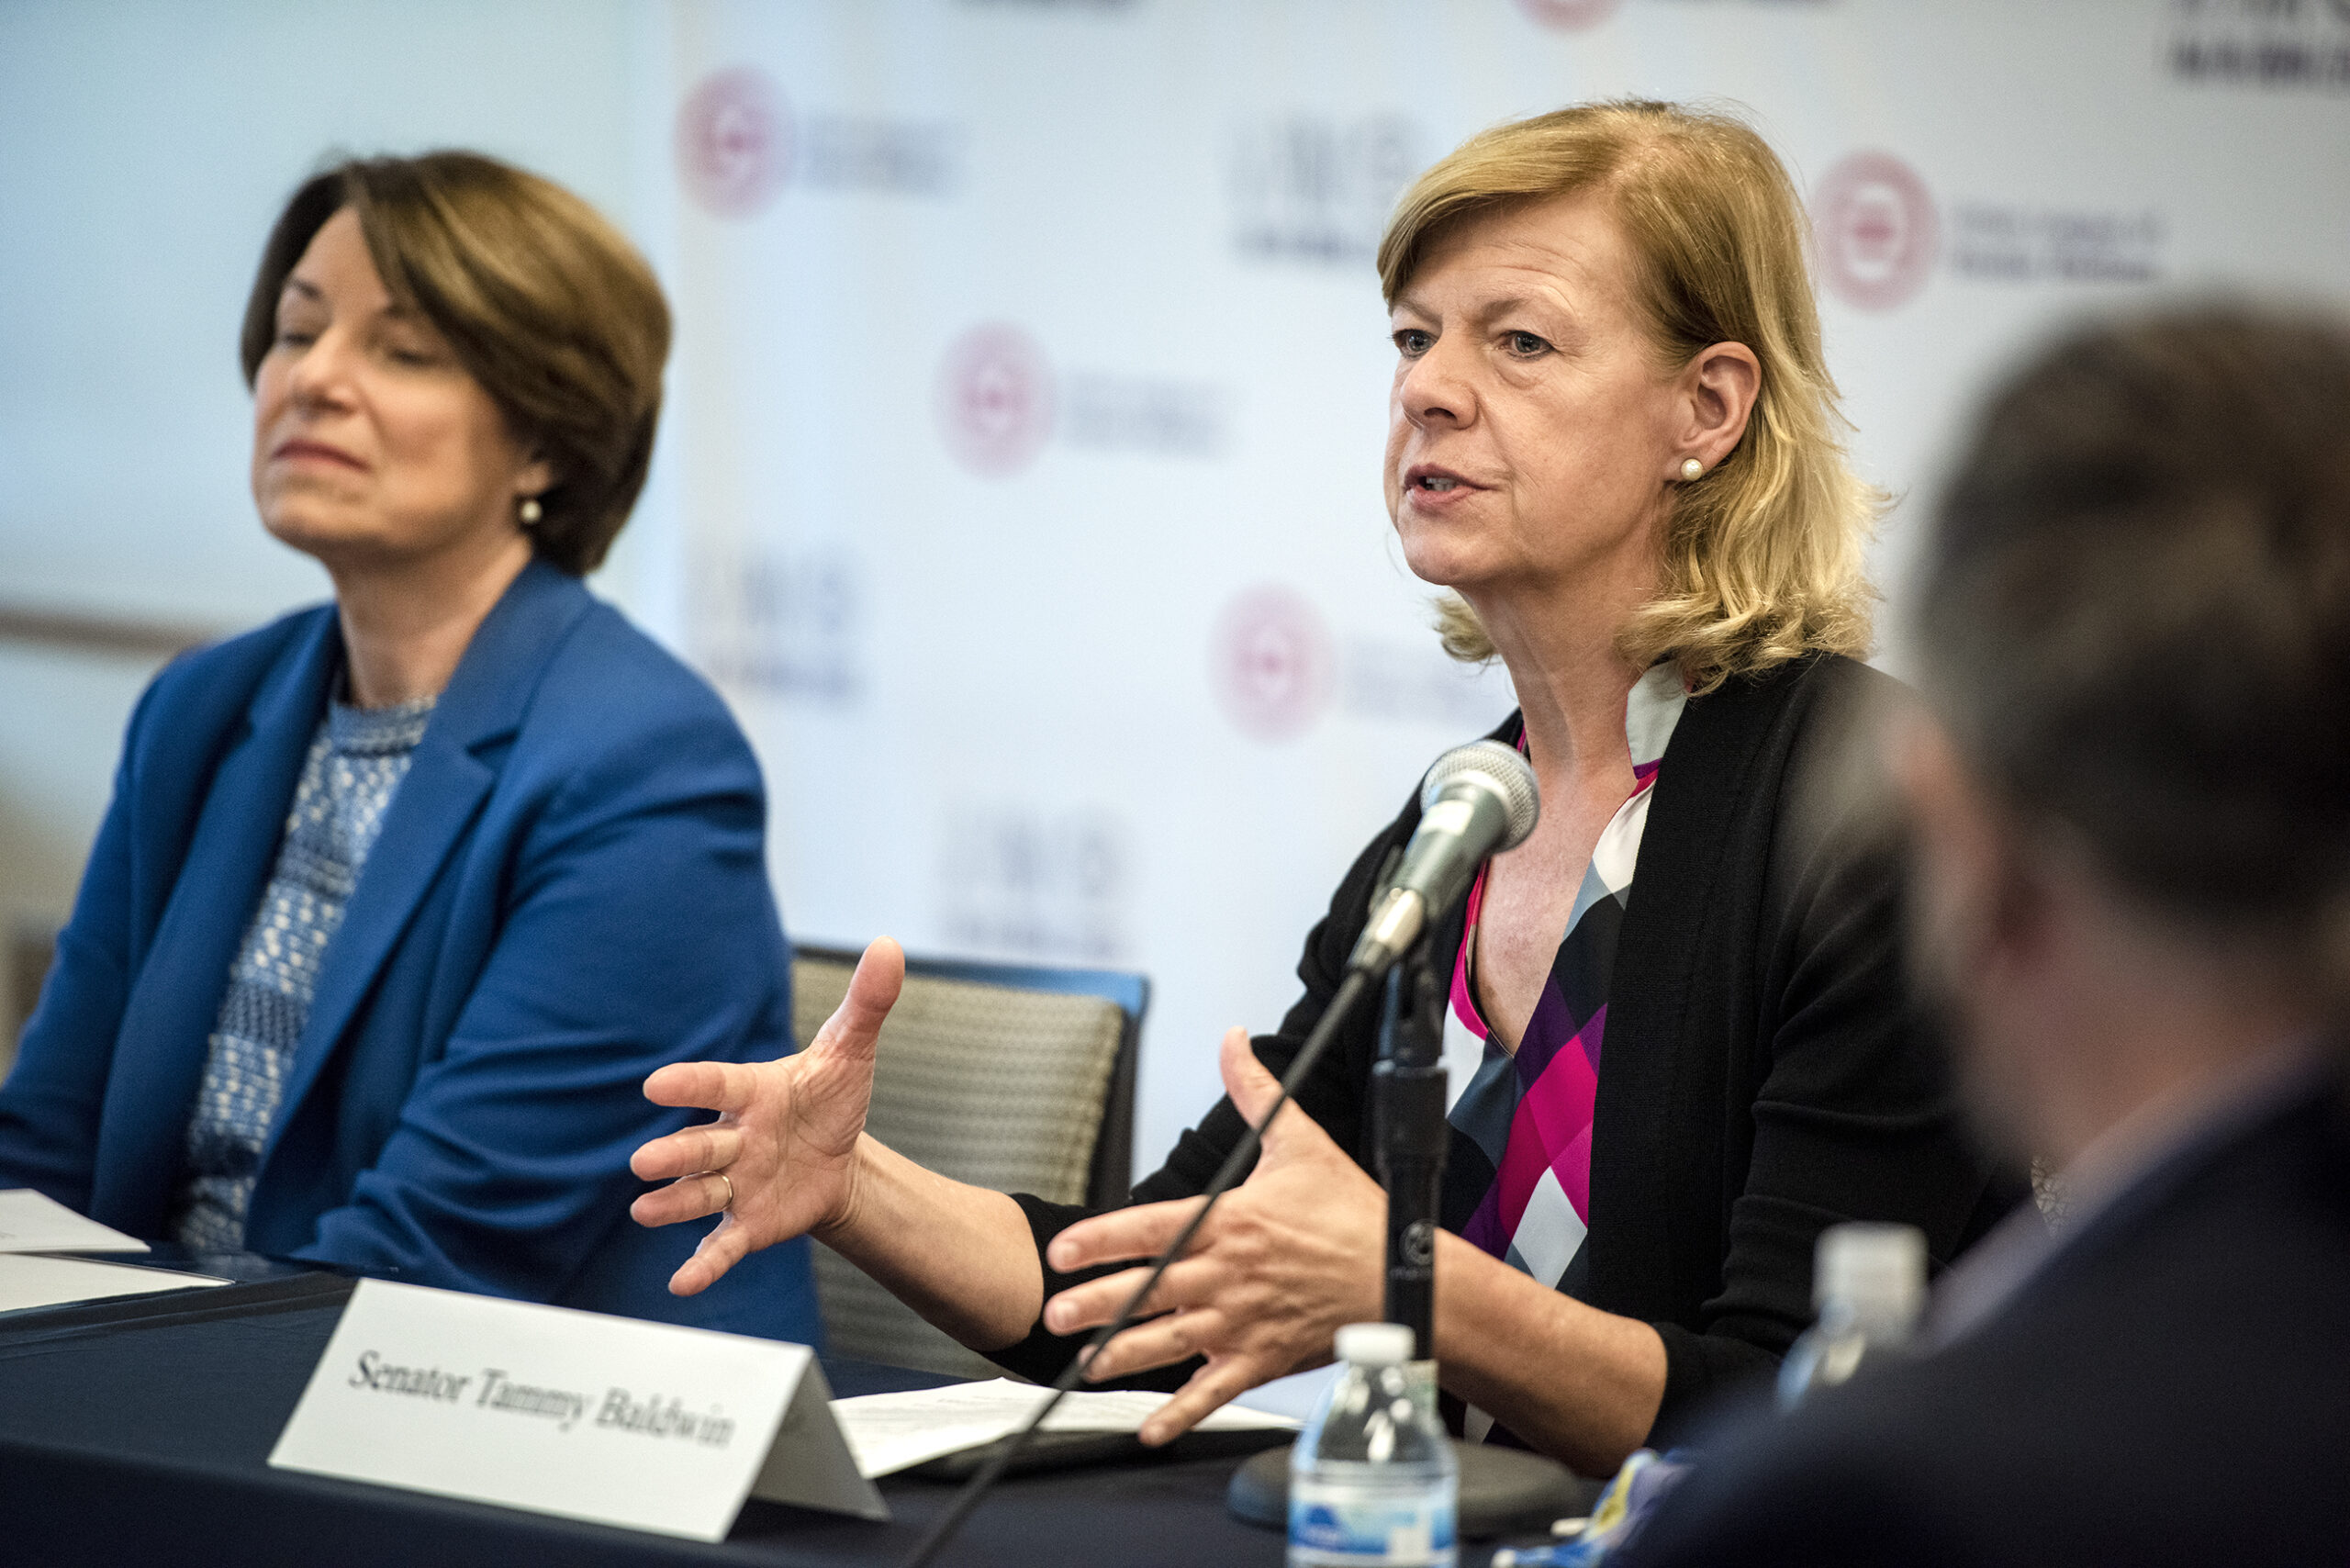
column 1530, row 1110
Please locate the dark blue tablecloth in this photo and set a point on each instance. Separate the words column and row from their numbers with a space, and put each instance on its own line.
column 137, row 1433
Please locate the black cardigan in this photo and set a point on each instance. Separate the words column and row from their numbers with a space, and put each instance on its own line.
column 1765, row 1072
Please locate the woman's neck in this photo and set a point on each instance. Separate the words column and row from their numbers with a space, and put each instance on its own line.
column 1572, row 683
column 407, row 624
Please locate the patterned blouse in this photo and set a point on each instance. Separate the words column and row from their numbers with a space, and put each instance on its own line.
column 356, row 761
column 1530, row 1111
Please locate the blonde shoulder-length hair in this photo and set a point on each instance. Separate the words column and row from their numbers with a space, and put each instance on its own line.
column 1762, row 560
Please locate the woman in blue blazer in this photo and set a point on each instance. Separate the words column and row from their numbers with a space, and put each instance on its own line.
column 400, row 898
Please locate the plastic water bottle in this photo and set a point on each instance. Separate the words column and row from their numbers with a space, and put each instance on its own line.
column 1372, row 1478
column 1868, row 1283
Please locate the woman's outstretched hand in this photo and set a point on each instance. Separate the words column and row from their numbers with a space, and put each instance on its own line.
column 785, row 1139
column 1289, row 1255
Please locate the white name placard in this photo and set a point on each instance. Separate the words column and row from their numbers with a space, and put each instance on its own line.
column 645, row 1425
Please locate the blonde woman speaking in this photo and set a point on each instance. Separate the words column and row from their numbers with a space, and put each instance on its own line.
column 1612, row 438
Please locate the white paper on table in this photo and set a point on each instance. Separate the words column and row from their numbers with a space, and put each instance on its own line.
column 889, row 1432
column 1294, row 1395
column 35, row 1222
column 27, row 1280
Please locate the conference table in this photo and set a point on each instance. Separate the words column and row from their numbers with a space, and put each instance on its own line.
column 137, row 1431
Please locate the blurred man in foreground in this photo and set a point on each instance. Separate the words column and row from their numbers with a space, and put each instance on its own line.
column 2131, row 799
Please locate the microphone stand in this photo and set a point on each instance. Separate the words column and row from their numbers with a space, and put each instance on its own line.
column 1409, row 1087
column 1407, row 1108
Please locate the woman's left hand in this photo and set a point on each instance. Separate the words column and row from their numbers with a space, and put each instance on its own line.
column 1289, row 1257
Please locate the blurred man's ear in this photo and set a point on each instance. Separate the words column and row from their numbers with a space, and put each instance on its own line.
column 1974, row 894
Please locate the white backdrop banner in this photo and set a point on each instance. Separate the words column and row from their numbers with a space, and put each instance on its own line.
column 1020, row 484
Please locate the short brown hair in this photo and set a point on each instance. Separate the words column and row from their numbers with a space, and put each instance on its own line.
column 543, row 302
column 1763, row 559
column 2136, row 616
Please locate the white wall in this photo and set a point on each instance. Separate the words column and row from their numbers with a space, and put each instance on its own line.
column 1083, row 641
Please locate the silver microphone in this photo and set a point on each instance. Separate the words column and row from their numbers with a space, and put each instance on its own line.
column 1478, row 800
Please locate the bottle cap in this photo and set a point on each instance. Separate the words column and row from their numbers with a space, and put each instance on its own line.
column 1374, row 1344
column 1877, row 1271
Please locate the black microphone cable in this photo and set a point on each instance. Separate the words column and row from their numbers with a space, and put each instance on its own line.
column 1350, row 991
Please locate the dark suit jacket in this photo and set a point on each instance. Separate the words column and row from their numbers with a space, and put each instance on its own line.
column 2173, row 1387
column 569, row 890
column 1764, row 1075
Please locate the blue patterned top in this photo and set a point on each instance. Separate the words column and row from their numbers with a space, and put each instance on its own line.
column 356, row 761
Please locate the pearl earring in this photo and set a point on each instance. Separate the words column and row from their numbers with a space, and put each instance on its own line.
column 1691, row 468
column 528, row 510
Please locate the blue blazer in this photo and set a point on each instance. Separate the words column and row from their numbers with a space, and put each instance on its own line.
column 570, row 889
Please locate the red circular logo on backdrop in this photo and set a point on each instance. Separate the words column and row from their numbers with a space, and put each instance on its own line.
column 1569, row 12
column 1877, row 229
column 735, row 142
column 1274, row 664
column 995, row 399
